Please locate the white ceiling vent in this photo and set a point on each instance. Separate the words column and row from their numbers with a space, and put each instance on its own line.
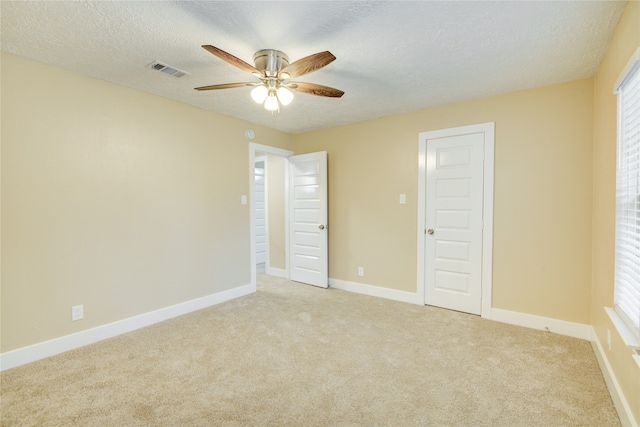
column 167, row 69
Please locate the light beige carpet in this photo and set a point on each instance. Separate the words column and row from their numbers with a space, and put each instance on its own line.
column 295, row 355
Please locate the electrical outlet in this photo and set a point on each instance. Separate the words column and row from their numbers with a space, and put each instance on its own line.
column 243, row 199
column 403, row 199
column 609, row 339
column 77, row 312
column 360, row 271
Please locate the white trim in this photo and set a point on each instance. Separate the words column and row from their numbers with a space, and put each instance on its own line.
column 635, row 58
column 253, row 147
column 562, row 327
column 252, row 214
column 488, row 181
column 270, row 150
column 487, row 218
column 32, row 353
column 621, row 404
column 277, row 272
column 375, row 291
column 286, row 219
column 629, row 337
column 422, row 216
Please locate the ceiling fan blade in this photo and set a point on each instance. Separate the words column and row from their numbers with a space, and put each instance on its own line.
column 308, row 64
column 226, row 86
column 315, row 89
column 226, row 56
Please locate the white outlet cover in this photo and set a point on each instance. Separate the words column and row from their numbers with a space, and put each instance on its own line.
column 243, row 199
column 403, row 199
column 77, row 312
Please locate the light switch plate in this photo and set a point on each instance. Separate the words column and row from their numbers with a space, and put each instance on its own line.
column 403, row 199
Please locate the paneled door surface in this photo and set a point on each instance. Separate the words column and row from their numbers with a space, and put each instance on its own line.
column 454, row 197
column 308, row 229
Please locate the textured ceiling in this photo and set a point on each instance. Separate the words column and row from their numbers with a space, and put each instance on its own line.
column 392, row 56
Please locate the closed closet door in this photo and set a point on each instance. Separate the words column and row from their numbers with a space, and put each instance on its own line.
column 454, row 220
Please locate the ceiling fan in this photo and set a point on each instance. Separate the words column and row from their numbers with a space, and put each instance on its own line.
column 274, row 71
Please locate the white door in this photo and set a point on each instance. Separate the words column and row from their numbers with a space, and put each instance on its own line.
column 308, row 229
column 454, row 211
column 261, row 210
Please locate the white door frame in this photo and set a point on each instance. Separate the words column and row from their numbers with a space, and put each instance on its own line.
column 487, row 210
column 253, row 148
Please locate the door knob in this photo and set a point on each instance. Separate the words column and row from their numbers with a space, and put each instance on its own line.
column 321, row 227
column 430, row 231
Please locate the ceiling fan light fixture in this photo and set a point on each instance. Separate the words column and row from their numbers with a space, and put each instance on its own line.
column 285, row 96
column 271, row 103
column 259, row 94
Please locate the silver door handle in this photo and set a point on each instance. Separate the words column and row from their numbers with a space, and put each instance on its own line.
column 430, row 231
column 321, row 227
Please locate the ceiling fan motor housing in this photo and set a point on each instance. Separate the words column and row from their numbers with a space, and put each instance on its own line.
column 270, row 61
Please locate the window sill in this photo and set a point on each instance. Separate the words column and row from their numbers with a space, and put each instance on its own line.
column 629, row 337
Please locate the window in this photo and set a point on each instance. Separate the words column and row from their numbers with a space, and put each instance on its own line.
column 627, row 264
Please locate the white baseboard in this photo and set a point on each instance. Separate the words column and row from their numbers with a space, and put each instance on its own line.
column 375, row 291
column 562, row 327
column 575, row 330
column 621, row 404
column 278, row 272
column 24, row 355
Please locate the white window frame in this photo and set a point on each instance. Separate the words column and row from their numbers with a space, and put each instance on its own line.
column 626, row 313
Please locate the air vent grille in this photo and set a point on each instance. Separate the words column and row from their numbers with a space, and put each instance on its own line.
column 167, row 69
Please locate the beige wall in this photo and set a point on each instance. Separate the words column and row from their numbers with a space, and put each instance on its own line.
column 543, row 172
column 624, row 42
column 116, row 199
column 275, row 190
column 127, row 202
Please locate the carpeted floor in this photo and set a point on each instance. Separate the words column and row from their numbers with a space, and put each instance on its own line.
column 295, row 355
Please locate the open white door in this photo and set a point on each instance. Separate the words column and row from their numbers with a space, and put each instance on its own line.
column 308, row 216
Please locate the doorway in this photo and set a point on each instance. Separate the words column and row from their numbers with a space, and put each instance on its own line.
column 455, row 218
column 269, row 210
column 305, row 214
